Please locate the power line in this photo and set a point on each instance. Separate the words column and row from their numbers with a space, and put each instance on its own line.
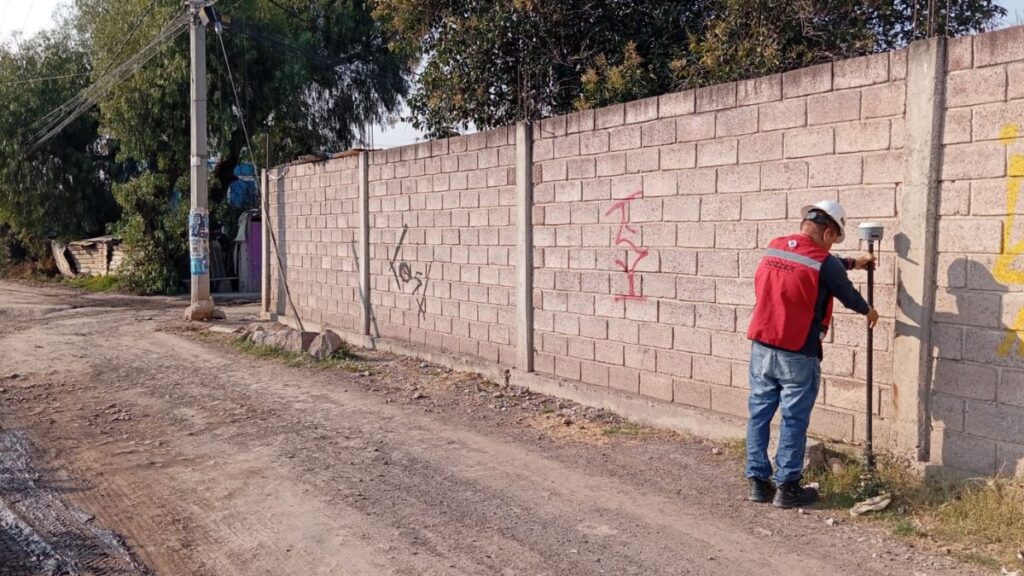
column 311, row 22
column 82, row 102
column 135, row 28
column 257, row 33
column 238, row 103
column 43, row 79
column 290, row 12
column 3, row 15
column 25, row 22
column 255, row 165
column 80, row 97
column 51, row 124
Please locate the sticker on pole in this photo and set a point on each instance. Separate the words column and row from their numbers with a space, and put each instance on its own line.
column 199, row 241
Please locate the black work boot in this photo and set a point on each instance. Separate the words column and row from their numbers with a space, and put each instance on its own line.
column 791, row 495
column 760, row 490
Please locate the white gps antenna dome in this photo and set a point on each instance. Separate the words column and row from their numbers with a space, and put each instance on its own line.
column 871, row 231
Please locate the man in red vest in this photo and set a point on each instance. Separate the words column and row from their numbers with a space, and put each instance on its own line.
column 795, row 284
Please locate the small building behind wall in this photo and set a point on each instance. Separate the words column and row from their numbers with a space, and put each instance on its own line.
column 98, row 256
column 247, row 251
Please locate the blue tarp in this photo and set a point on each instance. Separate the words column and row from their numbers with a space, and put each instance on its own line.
column 242, row 193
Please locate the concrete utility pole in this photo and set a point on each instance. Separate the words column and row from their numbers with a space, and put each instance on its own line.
column 201, row 307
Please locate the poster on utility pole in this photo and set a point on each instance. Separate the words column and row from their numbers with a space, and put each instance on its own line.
column 199, row 241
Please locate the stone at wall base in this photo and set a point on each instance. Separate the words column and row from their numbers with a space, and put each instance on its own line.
column 325, row 345
column 290, row 340
column 258, row 336
column 814, row 456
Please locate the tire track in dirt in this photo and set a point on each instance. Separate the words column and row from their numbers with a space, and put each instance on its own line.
column 40, row 533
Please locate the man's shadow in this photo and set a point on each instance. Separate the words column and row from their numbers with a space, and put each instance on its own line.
column 970, row 355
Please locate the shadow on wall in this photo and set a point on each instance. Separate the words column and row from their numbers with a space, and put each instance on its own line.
column 976, row 399
column 280, row 261
column 363, row 300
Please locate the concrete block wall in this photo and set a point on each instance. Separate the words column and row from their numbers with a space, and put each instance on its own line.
column 89, row 260
column 643, row 224
column 442, row 238
column 314, row 216
column 977, row 403
column 650, row 219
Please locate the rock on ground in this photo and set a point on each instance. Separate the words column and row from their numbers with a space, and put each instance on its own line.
column 258, row 336
column 290, row 340
column 200, row 311
column 325, row 345
column 814, row 457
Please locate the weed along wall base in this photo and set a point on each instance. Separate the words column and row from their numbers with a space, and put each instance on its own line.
column 644, row 223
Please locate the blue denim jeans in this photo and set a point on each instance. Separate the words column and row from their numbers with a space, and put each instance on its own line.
column 786, row 379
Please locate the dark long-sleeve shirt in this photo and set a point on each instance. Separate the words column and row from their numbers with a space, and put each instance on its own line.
column 834, row 282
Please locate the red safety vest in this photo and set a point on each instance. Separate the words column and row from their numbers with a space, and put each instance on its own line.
column 786, row 284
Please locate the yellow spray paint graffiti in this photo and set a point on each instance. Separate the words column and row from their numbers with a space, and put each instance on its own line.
column 1004, row 270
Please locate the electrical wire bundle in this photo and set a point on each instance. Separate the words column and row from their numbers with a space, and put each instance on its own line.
column 50, row 125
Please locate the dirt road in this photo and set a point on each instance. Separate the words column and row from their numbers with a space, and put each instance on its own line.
column 207, row 461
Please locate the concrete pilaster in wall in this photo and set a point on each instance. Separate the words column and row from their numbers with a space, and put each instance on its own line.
column 524, row 246
column 366, row 310
column 915, row 245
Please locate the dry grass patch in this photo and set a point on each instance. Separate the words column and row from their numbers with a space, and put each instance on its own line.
column 978, row 520
column 983, row 517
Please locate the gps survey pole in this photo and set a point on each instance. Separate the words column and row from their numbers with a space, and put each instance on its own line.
column 871, row 232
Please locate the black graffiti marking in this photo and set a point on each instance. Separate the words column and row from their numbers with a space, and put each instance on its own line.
column 421, row 302
column 394, row 257
column 404, row 274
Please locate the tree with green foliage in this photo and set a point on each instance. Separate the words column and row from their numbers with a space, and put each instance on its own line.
column 491, row 63
column 606, row 83
column 153, row 230
column 750, row 38
column 61, row 189
column 309, row 75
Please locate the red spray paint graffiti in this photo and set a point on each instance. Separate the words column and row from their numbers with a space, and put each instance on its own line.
column 621, row 238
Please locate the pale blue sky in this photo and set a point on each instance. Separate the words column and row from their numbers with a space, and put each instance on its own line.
column 1014, row 9
column 30, row 16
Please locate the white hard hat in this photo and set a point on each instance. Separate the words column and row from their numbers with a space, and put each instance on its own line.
column 834, row 210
